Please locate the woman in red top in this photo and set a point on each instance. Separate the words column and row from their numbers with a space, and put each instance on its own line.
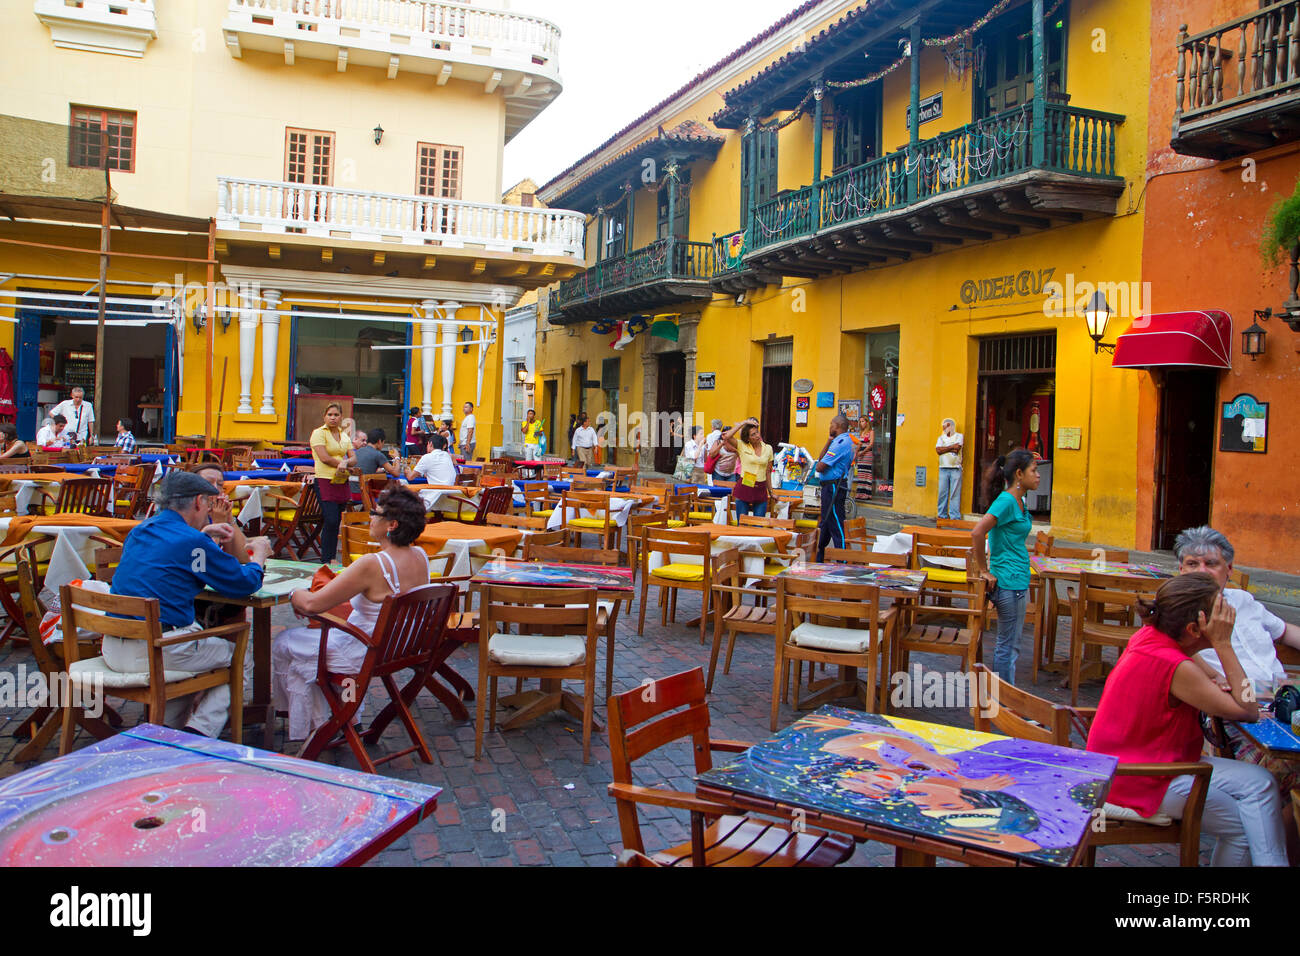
column 1149, row 714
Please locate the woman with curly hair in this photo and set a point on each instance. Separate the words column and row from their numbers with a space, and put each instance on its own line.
column 395, row 523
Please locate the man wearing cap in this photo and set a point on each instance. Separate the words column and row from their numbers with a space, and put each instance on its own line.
column 832, row 470
column 172, row 557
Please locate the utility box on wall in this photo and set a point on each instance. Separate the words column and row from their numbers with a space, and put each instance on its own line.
column 920, row 476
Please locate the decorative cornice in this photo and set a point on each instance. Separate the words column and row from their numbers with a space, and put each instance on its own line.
column 334, row 283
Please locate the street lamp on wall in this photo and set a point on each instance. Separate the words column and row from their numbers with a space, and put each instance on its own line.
column 521, row 373
column 379, row 133
column 1252, row 339
column 466, row 334
column 1097, row 314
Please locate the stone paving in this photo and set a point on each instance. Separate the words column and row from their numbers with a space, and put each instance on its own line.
column 556, row 809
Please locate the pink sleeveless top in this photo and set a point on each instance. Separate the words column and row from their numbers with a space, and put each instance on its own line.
column 1135, row 723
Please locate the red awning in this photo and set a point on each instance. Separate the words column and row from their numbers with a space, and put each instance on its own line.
column 1198, row 339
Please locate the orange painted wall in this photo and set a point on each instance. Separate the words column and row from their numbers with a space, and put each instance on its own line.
column 1201, row 251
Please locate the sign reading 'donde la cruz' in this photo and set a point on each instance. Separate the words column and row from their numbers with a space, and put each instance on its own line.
column 1023, row 283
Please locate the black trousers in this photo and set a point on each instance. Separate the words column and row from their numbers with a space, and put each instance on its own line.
column 331, row 519
column 830, row 527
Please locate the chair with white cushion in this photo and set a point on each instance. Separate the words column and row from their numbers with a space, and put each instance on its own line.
column 674, row 560
column 567, row 652
column 858, row 638
column 135, row 618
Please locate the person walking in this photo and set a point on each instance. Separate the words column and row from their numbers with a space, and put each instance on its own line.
column 332, row 450
column 833, row 466
column 584, row 443
column 949, row 447
column 1006, row 570
column 755, row 462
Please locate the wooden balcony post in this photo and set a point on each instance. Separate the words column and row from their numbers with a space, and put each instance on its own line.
column 914, row 115
column 818, row 93
column 751, row 134
column 1040, row 86
column 1180, row 95
column 671, row 171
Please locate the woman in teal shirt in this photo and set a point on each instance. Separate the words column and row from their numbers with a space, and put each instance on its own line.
column 1007, row 525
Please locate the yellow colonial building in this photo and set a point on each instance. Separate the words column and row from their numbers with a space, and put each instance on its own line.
column 900, row 210
column 305, row 203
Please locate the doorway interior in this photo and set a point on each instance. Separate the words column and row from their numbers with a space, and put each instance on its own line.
column 1184, row 452
column 880, row 405
column 1016, row 409
column 670, row 401
column 774, row 411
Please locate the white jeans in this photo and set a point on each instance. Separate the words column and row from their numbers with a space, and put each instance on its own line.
column 1243, row 812
column 210, row 707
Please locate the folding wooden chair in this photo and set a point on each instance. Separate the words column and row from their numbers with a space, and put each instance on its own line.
column 135, row 618
column 407, row 635
column 639, row 725
column 372, row 486
column 636, row 524
column 295, row 524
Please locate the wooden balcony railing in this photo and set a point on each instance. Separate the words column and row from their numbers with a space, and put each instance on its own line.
column 657, row 262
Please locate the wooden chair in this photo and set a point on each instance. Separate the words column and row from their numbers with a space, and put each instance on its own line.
column 135, row 618
column 554, row 658
column 1239, row 579
column 754, row 521
column 491, row 501
column 732, row 615
column 131, row 484
column 372, row 486
column 354, row 536
column 1000, row 707
column 468, row 477
column 106, row 561
column 954, row 524
column 640, row 724
column 517, row 521
column 81, row 496
column 672, row 576
column 241, row 457
column 295, row 524
column 109, row 458
column 407, row 636
column 856, row 534
column 589, row 514
column 860, row 638
column 679, row 508
column 1097, row 594
column 36, row 549
column 914, row 630
column 44, row 721
column 636, row 525
column 606, row 611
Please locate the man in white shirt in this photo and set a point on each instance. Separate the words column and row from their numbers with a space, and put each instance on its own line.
column 948, row 446
column 1257, row 631
column 55, row 434
column 78, row 414
column 467, row 426
column 584, row 442
column 437, row 467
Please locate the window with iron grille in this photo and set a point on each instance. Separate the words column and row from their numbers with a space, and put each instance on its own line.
column 97, row 137
column 1018, row 354
column 778, row 353
column 609, row 374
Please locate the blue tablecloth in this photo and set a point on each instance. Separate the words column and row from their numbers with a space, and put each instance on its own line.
column 255, row 473
column 556, row 486
column 104, row 471
column 716, row 491
column 278, row 462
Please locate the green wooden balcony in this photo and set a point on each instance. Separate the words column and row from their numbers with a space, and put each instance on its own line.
column 974, row 183
column 662, row 273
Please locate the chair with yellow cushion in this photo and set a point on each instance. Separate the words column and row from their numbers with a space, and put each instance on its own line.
column 354, row 536
column 83, row 496
column 679, row 508
column 131, row 488
column 588, row 514
column 670, row 573
column 636, row 524
column 35, row 551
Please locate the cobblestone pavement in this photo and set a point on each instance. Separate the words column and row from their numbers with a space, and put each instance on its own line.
column 556, row 809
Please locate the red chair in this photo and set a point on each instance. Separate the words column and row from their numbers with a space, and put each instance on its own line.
column 408, row 635
column 492, row 501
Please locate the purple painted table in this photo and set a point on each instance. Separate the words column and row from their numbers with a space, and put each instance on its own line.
column 153, row 796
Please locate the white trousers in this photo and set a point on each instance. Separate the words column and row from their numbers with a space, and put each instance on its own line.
column 206, row 710
column 1243, row 812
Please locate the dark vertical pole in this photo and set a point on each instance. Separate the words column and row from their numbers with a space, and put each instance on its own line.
column 914, row 118
column 628, row 237
column 210, row 313
column 751, row 133
column 671, row 180
column 1040, row 87
column 818, row 92
column 98, row 404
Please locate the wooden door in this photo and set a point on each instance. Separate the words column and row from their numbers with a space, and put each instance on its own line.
column 1184, row 452
column 309, row 161
column 670, row 400
column 775, row 415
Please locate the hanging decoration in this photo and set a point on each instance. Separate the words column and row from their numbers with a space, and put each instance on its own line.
column 1046, row 16
column 665, row 326
column 975, row 27
column 734, row 250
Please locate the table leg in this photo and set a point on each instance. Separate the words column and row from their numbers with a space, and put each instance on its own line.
column 906, row 857
column 260, row 711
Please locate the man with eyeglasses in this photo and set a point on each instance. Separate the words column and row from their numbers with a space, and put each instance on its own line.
column 173, row 556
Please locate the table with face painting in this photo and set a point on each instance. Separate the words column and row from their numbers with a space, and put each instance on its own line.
column 928, row 790
column 153, row 796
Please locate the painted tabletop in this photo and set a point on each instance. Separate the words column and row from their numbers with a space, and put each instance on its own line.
column 153, row 796
column 1271, row 734
column 282, row 577
column 546, row 574
column 898, row 579
column 1074, row 566
column 999, row 794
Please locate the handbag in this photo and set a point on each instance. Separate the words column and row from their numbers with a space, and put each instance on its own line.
column 711, row 460
column 323, row 576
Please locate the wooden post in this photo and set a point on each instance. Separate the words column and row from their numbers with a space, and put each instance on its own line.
column 751, row 133
column 671, row 179
column 818, row 93
column 98, row 403
column 210, row 312
column 1040, row 87
column 914, row 118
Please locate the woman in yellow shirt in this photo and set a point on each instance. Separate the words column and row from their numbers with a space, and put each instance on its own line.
column 332, row 450
column 754, row 462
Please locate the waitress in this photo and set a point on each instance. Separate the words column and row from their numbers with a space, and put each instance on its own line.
column 332, row 450
column 755, row 461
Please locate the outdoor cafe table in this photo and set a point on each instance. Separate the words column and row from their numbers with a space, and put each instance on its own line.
column 1052, row 570
column 73, row 552
column 133, row 799
column 465, row 540
column 532, row 468
column 928, row 790
column 26, row 485
column 611, row 584
column 280, row 579
column 252, row 493
column 1271, row 736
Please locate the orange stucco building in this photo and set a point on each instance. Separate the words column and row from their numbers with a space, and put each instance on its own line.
column 1224, row 147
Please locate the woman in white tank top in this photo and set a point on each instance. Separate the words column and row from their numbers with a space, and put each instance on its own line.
column 398, row 519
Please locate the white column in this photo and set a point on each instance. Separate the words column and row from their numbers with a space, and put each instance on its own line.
column 428, row 334
column 448, row 353
column 270, row 348
column 248, row 299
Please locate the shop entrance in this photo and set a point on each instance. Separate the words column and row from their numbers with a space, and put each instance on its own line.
column 1016, row 409
column 774, row 414
column 874, row 474
column 1184, row 452
column 670, row 400
column 55, row 352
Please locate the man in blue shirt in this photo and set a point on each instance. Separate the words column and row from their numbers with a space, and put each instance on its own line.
column 833, row 469
column 171, row 557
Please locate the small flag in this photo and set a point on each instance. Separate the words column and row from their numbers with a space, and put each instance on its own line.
column 665, row 326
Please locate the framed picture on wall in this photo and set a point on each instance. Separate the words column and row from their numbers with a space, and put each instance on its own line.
column 851, row 408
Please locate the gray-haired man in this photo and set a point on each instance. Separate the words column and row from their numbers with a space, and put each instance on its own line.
column 79, row 413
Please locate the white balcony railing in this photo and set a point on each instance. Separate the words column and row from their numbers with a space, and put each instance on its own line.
column 327, row 211
column 424, row 26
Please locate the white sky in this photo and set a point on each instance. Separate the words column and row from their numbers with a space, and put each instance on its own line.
column 618, row 58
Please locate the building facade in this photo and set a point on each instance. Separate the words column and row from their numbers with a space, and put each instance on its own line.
column 900, row 211
column 338, row 165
